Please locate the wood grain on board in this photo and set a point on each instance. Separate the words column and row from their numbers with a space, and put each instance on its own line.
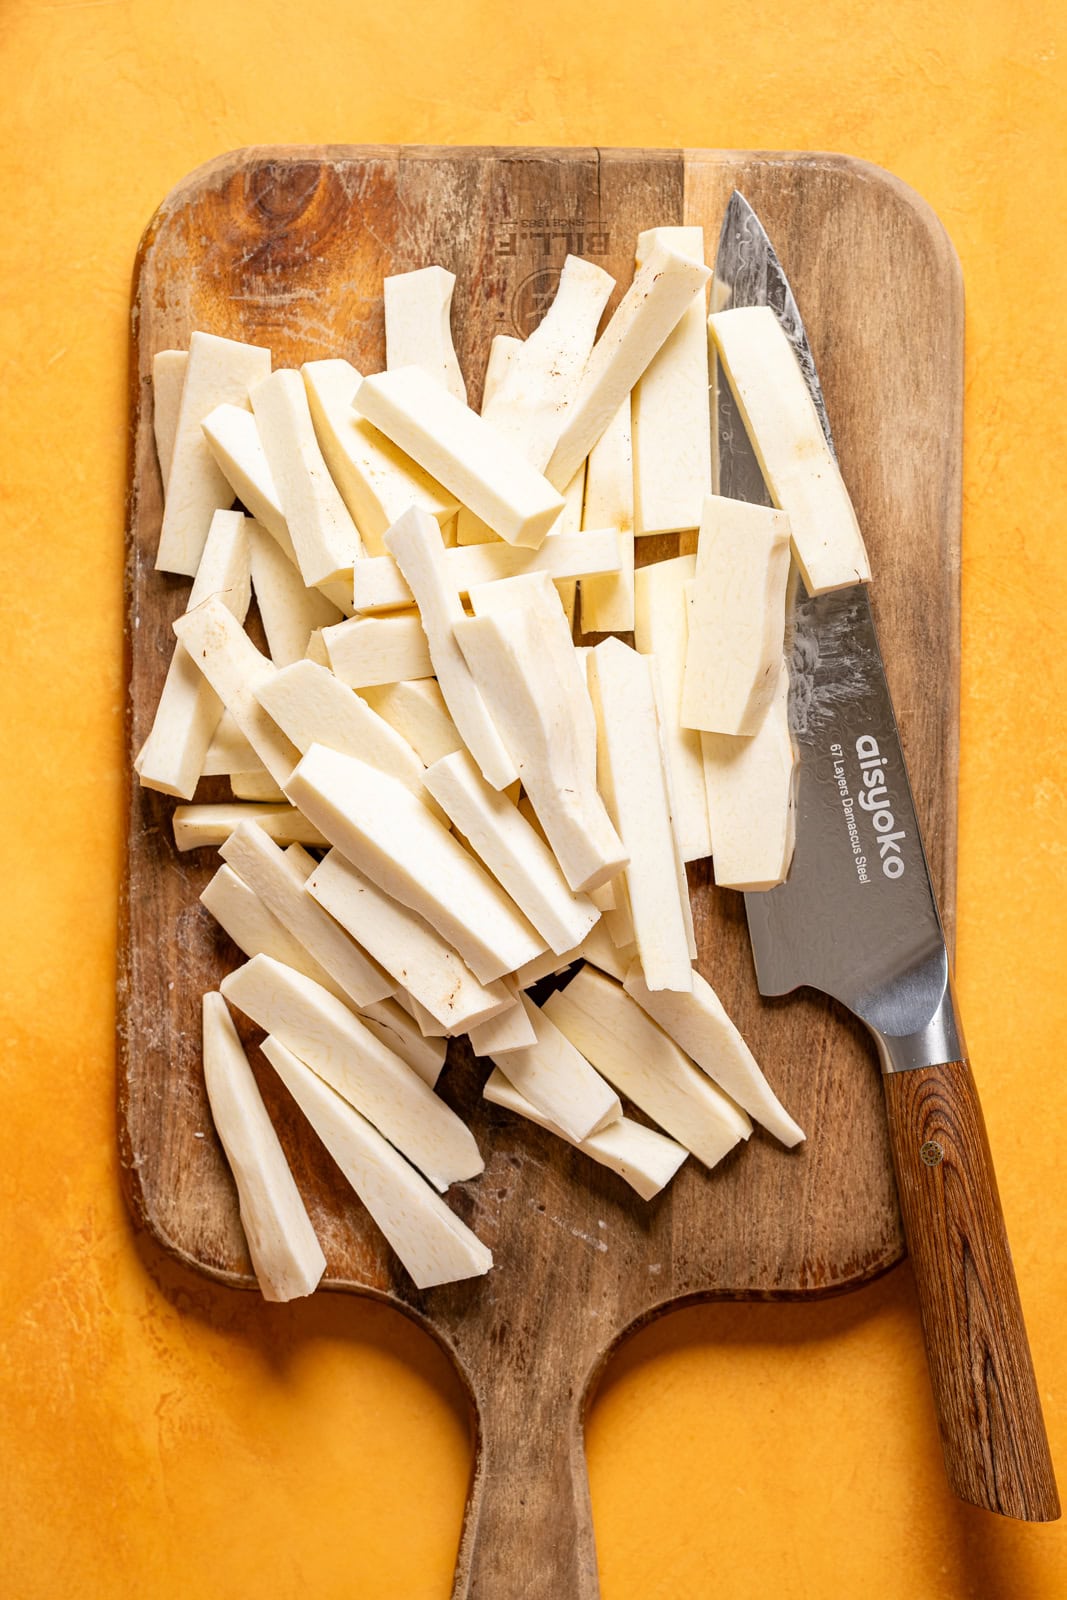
column 288, row 248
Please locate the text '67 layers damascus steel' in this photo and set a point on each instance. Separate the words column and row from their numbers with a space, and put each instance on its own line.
column 857, row 919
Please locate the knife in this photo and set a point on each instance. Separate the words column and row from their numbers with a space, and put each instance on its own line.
column 857, row 918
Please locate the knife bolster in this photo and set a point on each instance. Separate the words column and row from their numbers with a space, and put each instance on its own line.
column 940, row 1039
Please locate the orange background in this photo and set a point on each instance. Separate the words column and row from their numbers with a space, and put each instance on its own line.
column 165, row 1437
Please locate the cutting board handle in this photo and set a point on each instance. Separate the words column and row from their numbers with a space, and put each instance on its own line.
column 528, row 1530
column 989, row 1412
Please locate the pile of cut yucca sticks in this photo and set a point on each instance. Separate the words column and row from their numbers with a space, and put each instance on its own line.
column 438, row 799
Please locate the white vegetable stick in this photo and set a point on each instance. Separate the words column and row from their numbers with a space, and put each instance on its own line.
column 256, row 785
column 229, row 750
column 173, row 756
column 604, row 897
column 699, row 1025
column 311, row 707
column 543, row 725
column 649, row 310
column 414, row 542
column 671, row 410
column 536, row 595
column 557, row 1079
column 263, row 866
column 417, row 711
column 370, row 1076
column 256, row 931
column 513, row 851
column 402, row 998
column 511, row 1030
column 197, row 827
column 632, row 781
column 570, row 521
column 534, row 382
column 218, row 370
column 366, row 651
column 570, row 518
column 391, row 1020
column 168, row 376
column 437, row 982
column 660, row 631
column 504, row 349
column 316, row 651
column 646, row 1159
column 502, row 352
column 618, row 920
column 535, row 684
column 428, row 1024
column 391, row 1024
column 300, row 861
column 418, row 329
column 798, row 467
column 448, row 528
column 469, row 457
column 608, row 501
column 433, row 1244
column 736, row 617
column 750, row 784
column 376, row 480
column 288, row 609
column 324, row 536
column 543, row 967
column 383, row 830
column 614, row 901
column 235, row 669
column 471, row 530
column 672, row 804
column 338, row 589
column 233, row 439
column 608, row 602
column 611, row 1031
column 380, row 586
column 600, row 950
column 286, row 1256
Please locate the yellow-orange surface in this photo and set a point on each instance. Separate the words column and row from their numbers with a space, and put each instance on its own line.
column 163, row 1437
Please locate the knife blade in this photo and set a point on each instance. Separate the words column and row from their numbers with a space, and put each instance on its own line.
column 857, row 918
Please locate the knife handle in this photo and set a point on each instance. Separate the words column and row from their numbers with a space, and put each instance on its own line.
column 989, row 1413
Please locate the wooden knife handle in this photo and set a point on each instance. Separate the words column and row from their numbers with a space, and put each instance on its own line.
column 989, row 1414
column 528, row 1529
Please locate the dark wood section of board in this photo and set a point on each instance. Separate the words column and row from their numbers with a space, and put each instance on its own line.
column 289, row 249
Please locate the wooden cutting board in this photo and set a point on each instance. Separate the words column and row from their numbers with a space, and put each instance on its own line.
column 288, row 248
